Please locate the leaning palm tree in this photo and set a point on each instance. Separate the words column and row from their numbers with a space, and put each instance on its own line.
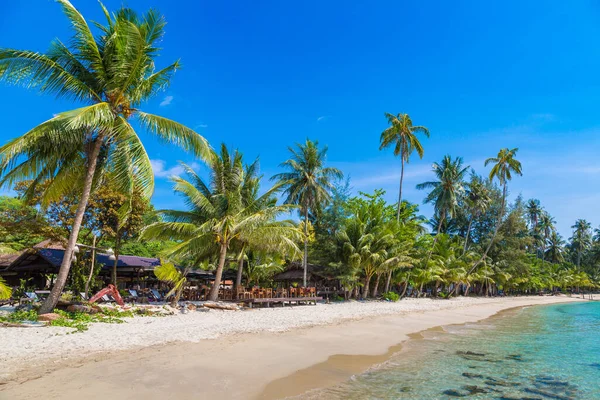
column 218, row 216
column 307, row 183
column 505, row 164
column 581, row 239
column 446, row 191
column 111, row 73
column 402, row 136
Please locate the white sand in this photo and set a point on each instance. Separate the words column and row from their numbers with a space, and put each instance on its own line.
column 24, row 348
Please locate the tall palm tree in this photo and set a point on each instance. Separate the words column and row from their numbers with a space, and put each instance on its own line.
column 111, row 74
column 307, row 183
column 582, row 238
column 446, row 191
column 218, row 215
column 402, row 136
column 555, row 248
column 477, row 201
column 546, row 226
column 505, row 164
column 534, row 211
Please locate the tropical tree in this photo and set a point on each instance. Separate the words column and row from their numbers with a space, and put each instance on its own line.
column 581, row 239
column 176, row 278
column 112, row 73
column 505, row 164
column 534, row 211
column 546, row 227
column 307, row 183
column 477, row 200
column 218, row 216
column 446, row 190
column 402, row 136
column 555, row 251
column 5, row 290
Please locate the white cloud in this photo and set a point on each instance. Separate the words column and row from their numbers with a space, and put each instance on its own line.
column 323, row 118
column 201, row 126
column 161, row 171
column 166, row 101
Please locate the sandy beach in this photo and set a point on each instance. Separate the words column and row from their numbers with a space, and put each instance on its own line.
column 262, row 353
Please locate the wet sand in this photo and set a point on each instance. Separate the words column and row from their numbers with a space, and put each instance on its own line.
column 246, row 366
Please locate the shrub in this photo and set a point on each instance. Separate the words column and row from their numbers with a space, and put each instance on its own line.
column 391, row 296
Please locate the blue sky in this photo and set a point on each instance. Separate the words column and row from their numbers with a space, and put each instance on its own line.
column 263, row 75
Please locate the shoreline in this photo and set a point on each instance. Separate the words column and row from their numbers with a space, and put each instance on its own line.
column 262, row 364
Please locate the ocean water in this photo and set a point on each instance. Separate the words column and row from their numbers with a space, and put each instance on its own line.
column 542, row 352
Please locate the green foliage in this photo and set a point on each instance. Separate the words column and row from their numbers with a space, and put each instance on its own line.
column 391, row 296
column 5, row 290
column 80, row 321
column 20, row 316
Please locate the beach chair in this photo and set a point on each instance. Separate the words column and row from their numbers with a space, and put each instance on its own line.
column 133, row 295
column 84, row 297
column 30, row 297
column 156, row 294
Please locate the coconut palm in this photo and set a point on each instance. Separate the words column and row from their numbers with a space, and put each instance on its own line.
column 555, row 251
column 218, row 216
column 581, row 239
column 402, row 136
column 446, row 191
column 111, row 73
column 546, row 227
column 534, row 210
column 270, row 241
column 477, row 201
column 505, row 164
column 307, row 183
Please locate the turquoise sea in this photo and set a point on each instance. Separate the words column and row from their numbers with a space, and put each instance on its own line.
column 541, row 352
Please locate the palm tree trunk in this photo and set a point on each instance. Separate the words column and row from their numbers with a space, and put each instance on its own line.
column 376, row 285
column 89, row 279
column 496, row 228
column 405, row 286
column 114, row 268
column 388, row 281
column 366, row 287
column 65, row 266
column 214, row 291
column 435, row 238
column 238, row 279
column 305, row 257
column 400, row 191
column 467, row 235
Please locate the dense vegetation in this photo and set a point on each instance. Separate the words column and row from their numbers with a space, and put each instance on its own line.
column 479, row 241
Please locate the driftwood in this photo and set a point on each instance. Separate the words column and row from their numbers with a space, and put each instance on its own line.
column 221, row 306
column 83, row 309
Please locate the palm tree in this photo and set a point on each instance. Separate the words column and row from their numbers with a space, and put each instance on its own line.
column 446, row 191
column 218, row 216
column 477, row 201
column 307, row 183
column 270, row 241
column 5, row 290
column 111, row 73
column 582, row 238
column 546, row 225
column 505, row 164
column 534, row 210
column 402, row 136
column 555, row 248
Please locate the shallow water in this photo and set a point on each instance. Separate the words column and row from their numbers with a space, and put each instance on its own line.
column 544, row 352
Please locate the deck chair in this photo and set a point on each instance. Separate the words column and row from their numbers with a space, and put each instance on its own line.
column 83, row 297
column 30, row 297
column 157, row 295
column 133, row 295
